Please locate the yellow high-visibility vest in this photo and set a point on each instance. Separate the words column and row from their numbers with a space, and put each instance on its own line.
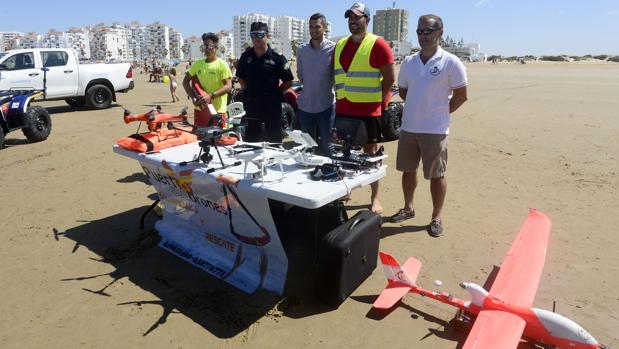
column 362, row 82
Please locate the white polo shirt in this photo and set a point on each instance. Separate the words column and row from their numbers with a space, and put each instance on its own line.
column 429, row 90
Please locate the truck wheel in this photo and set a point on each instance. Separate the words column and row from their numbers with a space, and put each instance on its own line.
column 38, row 124
column 99, row 97
column 289, row 118
column 76, row 102
column 391, row 121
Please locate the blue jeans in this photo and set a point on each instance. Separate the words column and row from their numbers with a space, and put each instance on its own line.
column 319, row 126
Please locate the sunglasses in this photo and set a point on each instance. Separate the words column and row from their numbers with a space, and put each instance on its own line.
column 426, row 31
column 257, row 35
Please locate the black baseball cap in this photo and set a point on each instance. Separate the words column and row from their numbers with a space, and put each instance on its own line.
column 259, row 26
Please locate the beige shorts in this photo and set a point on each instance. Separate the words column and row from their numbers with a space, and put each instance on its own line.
column 431, row 149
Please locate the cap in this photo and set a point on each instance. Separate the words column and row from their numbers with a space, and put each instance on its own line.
column 359, row 9
column 259, row 26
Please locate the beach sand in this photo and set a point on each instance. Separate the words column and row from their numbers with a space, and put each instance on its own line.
column 76, row 270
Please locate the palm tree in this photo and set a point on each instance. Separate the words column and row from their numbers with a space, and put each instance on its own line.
column 294, row 45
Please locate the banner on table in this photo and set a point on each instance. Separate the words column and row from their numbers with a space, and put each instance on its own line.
column 225, row 230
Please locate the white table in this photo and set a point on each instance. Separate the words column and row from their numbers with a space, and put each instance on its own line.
column 228, row 230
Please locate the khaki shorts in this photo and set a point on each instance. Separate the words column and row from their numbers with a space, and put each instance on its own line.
column 429, row 148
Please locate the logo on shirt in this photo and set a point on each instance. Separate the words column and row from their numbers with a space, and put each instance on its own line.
column 269, row 61
column 249, row 60
column 435, row 71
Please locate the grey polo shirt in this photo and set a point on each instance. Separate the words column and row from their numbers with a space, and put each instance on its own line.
column 315, row 69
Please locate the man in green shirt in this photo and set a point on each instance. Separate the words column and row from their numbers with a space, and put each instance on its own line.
column 213, row 75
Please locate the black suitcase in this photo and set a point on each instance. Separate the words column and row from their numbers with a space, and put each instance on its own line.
column 347, row 256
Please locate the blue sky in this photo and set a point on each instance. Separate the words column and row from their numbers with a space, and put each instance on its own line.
column 508, row 27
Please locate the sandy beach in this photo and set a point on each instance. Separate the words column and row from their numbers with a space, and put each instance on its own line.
column 76, row 270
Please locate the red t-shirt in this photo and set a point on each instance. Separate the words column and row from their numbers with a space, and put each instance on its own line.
column 379, row 56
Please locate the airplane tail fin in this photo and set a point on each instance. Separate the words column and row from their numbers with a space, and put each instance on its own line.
column 400, row 280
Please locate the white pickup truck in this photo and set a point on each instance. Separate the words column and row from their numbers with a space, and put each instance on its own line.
column 78, row 84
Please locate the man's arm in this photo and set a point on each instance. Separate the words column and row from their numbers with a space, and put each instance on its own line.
column 285, row 86
column 243, row 83
column 388, row 79
column 457, row 99
column 227, row 87
column 186, row 86
column 402, row 92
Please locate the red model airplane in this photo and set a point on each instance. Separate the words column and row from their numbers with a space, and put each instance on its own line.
column 504, row 314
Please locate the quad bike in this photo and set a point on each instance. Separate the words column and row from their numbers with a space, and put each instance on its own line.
column 16, row 112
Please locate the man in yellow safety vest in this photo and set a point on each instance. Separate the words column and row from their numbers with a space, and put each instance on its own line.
column 363, row 64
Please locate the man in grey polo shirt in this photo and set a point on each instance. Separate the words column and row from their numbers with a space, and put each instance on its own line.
column 315, row 71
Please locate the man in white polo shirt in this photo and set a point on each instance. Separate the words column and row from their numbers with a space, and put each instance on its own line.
column 433, row 84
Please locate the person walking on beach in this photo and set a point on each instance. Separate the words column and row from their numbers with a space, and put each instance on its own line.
column 214, row 77
column 315, row 71
column 363, row 66
column 432, row 83
column 173, row 85
column 260, row 70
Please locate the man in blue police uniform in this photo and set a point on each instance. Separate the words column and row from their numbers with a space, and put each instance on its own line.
column 260, row 71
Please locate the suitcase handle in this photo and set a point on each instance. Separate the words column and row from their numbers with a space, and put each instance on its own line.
column 355, row 222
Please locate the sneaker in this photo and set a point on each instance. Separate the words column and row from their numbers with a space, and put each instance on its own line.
column 402, row 215
column 435, row 228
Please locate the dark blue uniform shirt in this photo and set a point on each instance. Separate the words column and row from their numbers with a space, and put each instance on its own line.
column 263, row 74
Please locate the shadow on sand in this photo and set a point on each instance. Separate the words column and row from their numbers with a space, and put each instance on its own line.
column 220, row 308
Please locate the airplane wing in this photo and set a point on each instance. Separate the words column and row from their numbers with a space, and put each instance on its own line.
column 519, row 276
column 495, row 329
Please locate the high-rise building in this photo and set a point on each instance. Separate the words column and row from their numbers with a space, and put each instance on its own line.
column 194, row 48
column 30, row 40
column 241, row 29
column 135, row 41
column 157, row 41
column 109, row 42
column 391, row 24
column 285, row 32
column 79, row 40
column 288, row 32
column 9, row 40
column 176, row 45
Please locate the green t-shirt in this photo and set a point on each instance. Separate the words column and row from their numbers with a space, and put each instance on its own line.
column 211, row 76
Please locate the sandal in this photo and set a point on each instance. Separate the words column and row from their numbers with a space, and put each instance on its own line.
column 402, row 215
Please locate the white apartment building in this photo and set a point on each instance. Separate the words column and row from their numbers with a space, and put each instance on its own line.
column 135, row 41
column 157, row 41
column 194, row 48
column 176, row 45
column 9, row 40
column 226, row 44
column 79, row 40
column 241, row 28
column 109, row 42
column 288, row 31
column 30, row 40
column 285, row 32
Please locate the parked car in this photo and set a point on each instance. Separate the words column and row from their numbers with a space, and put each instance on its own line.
column 94, row 85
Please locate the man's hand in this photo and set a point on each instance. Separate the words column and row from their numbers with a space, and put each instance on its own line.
column 204, row 99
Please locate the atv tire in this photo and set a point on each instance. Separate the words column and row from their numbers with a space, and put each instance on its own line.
column 99, row 97
column 289, row 118
column 38, row 124
column 1, row 138
column 391, row 121
column 76, row 102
